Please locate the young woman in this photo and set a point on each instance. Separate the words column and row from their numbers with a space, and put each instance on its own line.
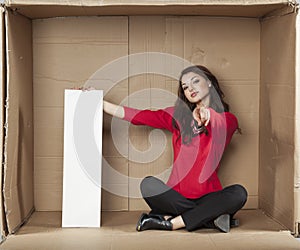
column 202, row 127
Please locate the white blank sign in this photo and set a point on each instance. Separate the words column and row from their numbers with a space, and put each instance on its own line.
column 82, row 158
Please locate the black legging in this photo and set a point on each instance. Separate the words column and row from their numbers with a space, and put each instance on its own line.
column 196, row 213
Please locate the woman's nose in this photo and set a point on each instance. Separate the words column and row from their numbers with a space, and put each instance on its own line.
column 190, row 88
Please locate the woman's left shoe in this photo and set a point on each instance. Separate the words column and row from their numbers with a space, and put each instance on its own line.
column 147, row 222
column 223, row 223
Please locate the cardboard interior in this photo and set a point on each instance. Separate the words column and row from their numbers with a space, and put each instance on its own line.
column 249, row 54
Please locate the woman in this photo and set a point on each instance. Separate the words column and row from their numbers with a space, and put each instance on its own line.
column 202, row 127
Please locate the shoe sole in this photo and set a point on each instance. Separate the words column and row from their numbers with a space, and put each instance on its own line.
column 223, row 223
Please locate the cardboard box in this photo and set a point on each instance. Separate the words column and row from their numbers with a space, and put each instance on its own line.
column 50, row 46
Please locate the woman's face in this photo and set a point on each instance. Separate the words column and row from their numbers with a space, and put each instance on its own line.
column 195, row 87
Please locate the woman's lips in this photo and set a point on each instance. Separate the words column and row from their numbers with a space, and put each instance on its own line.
column 194, row 94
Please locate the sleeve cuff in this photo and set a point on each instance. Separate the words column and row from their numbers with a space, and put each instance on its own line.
column 129, row 113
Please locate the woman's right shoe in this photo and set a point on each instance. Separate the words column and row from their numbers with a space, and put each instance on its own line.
column 234, row 222
column 223, row 223
column 147, row 222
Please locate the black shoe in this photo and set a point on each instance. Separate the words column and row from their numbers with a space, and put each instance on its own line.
column 234, row 222
column 223, row 223
column 147, row 222
column 156, row 216
column 160, row 216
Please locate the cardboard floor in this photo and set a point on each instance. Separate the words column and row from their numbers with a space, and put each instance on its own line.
column 43, row 231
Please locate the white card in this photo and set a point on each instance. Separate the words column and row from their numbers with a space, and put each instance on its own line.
column 82, row 158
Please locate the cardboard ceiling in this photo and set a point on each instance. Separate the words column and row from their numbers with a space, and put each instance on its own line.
column 45, row 9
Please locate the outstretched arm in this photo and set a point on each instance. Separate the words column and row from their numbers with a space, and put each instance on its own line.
column 113, row 109
column 109, row 108
column 157, row 119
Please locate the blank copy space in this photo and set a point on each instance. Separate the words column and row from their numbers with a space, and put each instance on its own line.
column 82, row 158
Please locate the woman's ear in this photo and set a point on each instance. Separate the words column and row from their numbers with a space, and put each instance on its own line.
column 209, row 83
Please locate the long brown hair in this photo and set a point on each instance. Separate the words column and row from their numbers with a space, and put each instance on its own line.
column 183, row 117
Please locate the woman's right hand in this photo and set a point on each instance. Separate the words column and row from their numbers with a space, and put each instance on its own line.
column 113, row 109
column 109, row 108
column 84, row 88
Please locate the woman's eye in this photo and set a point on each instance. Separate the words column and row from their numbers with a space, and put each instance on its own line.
column 184, row 87
column 196, row 81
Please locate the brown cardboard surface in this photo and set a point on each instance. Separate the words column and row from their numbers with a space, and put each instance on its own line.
column 43, row 9
column 112, row 198
column 18, row 179
column 67, row 52
column 276, row 172
column 147, row 34
column 43, row 231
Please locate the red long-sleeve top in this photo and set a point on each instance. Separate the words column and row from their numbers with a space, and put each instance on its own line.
column 194, row 171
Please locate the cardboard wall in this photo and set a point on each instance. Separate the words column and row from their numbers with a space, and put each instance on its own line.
column 67, row 51
column 277, row 118
column 18, row 179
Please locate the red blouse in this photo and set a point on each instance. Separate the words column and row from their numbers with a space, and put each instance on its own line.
column 195, row 165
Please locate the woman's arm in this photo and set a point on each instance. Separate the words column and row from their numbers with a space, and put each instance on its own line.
column 113, row 109
column 109, row 108
column 157, row 119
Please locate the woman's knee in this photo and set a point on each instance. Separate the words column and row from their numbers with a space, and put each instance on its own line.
column 240, row 193
column 152, row 186
column 147, row 185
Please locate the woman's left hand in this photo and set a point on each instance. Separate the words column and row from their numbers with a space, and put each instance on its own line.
column 201, row 115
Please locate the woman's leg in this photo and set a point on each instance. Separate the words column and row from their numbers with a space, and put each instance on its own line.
column 187, row 213
column 209, row 207
column 163, row 199
column 164, row 202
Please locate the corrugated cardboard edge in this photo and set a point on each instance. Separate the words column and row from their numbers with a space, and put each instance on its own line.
column 297, row 132
column 242, row 8
column 155, row 2
column 2, row 98
column 18, row 126
column 285, row 10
